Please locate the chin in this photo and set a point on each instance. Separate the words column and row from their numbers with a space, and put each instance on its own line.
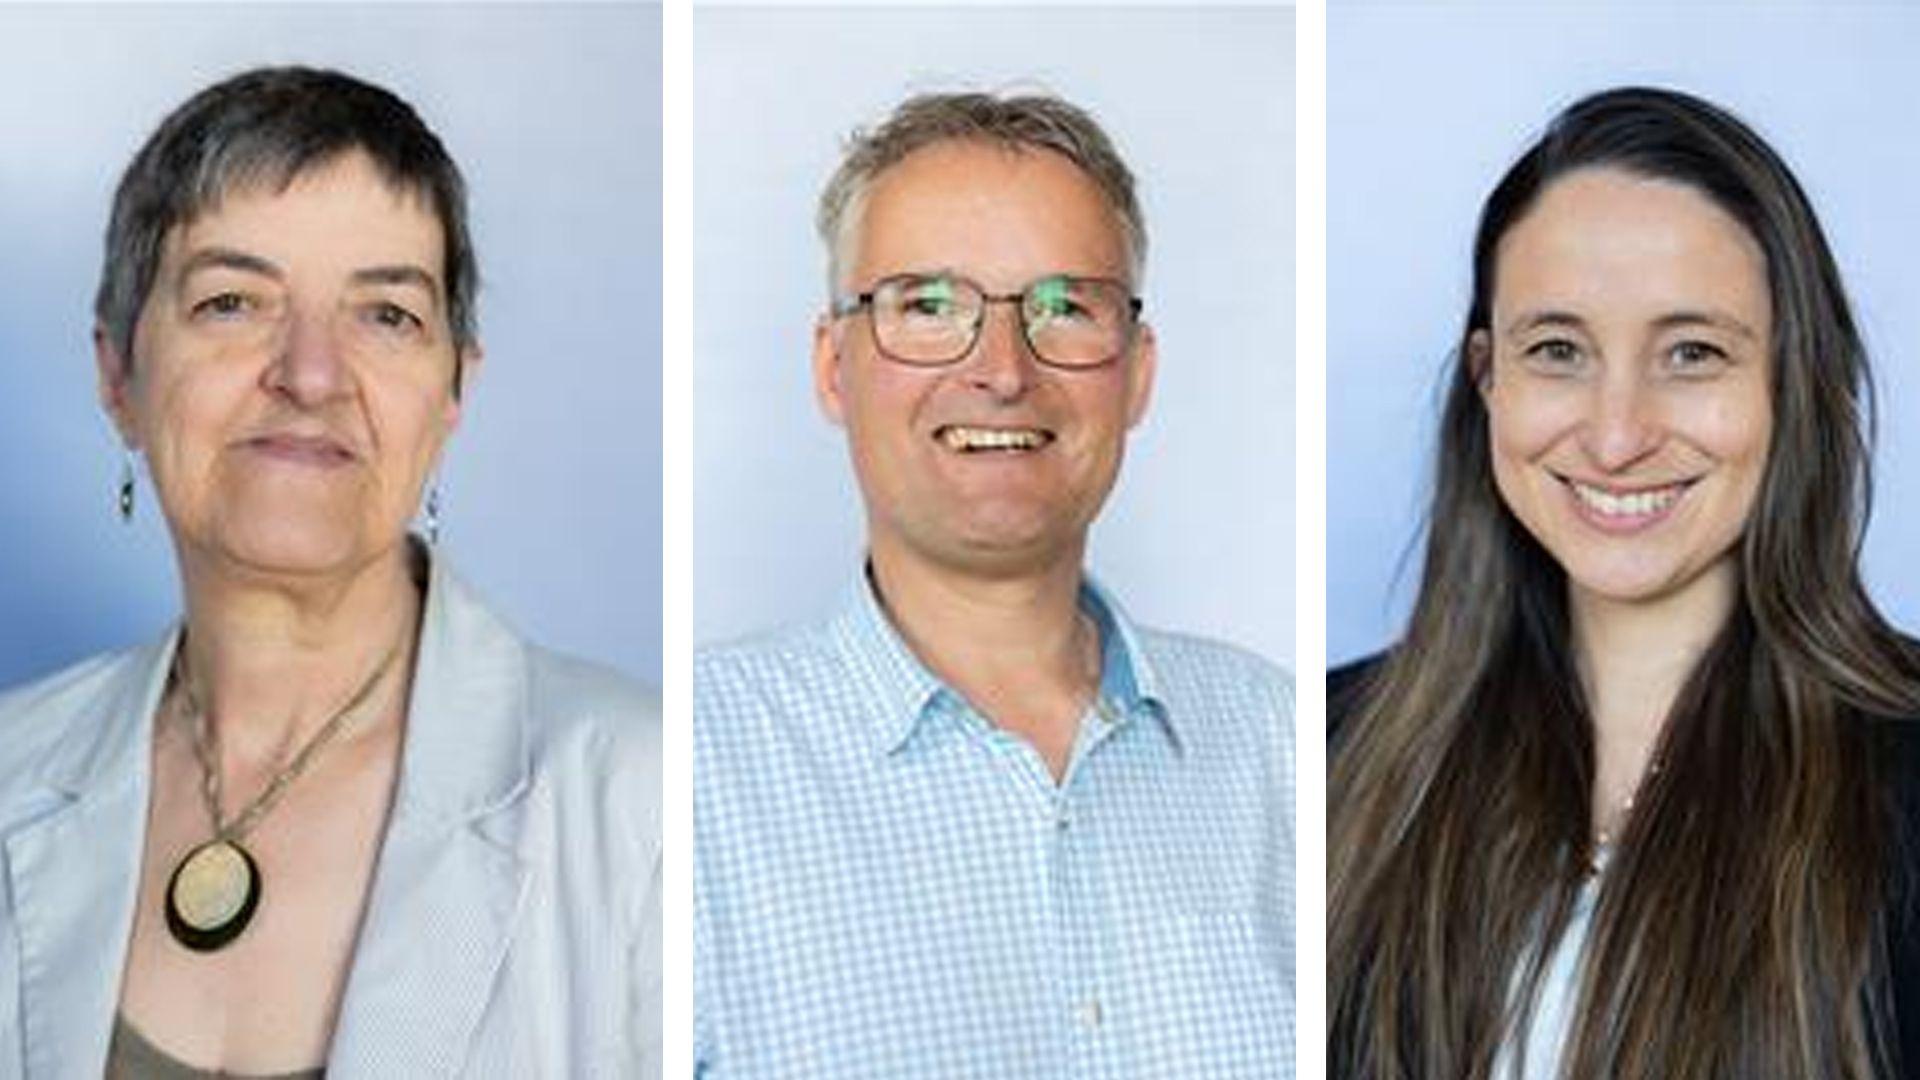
column 292, row 546
column 1005, row 554
column 1628, row 581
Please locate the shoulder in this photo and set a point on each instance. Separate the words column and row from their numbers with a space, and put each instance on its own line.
column 1894, row 744
column 580, row 692
column 591, row 725
column 1221, row 695
column 744, row 683
column 1347, row 686
column 1190, row 662
column 42, row 718
column 583, row 720
column 790, row 657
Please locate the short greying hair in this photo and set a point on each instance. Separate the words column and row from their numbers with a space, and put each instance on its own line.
column 267, row 127
column 1015, row 122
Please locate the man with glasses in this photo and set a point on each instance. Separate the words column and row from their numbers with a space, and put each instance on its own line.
column 977, row 822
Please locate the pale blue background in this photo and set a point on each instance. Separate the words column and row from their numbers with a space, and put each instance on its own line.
column 1427, row 105
column 551, row 489
column 1198, row 535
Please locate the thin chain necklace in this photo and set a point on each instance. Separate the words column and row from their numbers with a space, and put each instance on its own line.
column 1604, row 836
column 216, row 888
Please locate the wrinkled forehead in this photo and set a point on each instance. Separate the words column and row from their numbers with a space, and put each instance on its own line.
column 339, row 213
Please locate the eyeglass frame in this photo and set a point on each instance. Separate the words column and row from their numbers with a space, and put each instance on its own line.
column 844, row 306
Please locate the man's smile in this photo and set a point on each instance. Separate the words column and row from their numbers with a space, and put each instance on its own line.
column 974, row 439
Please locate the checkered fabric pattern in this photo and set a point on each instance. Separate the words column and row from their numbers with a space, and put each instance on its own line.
column 886, row 885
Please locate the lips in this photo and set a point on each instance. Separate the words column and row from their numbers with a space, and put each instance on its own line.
column 1625, row 509
column 318, row 450
column 981, row 439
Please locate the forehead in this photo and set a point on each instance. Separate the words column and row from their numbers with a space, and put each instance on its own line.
column 340, row 214
column 1605, row 240
column 1002, row 215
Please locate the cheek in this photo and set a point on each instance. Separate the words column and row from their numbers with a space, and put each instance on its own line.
column 425, row 419
column 1523, row 425
column 886, row 404
column 1735, row 430
column 184, row 416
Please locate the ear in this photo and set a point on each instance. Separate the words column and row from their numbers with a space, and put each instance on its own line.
column 1479, row 358
column 1146, row 356
column 466, row 370
column 826, row 369
column 114, row 372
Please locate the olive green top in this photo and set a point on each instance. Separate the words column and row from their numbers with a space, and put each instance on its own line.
column 131, row 1057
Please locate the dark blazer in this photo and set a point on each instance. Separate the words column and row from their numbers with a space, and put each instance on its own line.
column 1897, row 746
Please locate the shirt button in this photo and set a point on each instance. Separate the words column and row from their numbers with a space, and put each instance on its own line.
column 1062, row 822
column 1089, row 1014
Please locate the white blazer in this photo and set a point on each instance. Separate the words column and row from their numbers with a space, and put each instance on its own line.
column 513, row 928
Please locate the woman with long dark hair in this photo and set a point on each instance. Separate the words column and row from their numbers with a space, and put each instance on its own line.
column 1630, row 797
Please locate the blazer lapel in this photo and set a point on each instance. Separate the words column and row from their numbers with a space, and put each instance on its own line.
column 73, row 873
column 449, row 888
column 437, row 930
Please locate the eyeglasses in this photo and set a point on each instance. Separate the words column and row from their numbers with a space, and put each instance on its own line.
column 929, row 320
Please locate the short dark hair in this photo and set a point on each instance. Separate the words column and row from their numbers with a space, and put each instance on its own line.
column 268, row 126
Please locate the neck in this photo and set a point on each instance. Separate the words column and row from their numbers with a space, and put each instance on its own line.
column 1634, row 658
column 967, row 628
column 1014, row 645
column 272, row 661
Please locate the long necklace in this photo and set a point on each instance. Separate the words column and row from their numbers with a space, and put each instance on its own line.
column 1603, row 837
column 216, row 888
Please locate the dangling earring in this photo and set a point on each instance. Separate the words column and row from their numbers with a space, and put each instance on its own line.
column 433, row 514
column 126, row 489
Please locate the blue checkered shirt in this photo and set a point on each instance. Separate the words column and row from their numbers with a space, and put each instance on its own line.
column 887, row 885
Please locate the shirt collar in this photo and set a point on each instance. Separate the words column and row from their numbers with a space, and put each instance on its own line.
column 905, row 692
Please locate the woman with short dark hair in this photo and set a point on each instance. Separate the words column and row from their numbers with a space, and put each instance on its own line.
column 341, row 817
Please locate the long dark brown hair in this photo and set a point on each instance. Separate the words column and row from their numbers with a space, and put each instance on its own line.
column 1736, row 930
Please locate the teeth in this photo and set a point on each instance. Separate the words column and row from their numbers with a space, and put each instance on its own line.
column 974, row 438
column 1636, row 504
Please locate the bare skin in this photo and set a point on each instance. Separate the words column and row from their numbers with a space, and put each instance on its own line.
column 271, row 684
column 290, row 388
column 1019, row 650
column 1634, row 659
column 977, row 556
column 1627, row 388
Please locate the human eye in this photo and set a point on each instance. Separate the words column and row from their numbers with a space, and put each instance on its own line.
column 388, row 315
column 1553, row 354
column 1695, row 357
column 930, row 298
column 1058, row 298
column 225, row 305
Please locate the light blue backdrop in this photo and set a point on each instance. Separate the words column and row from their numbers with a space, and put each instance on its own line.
column 1199, row 533
column 551, row 487
column 1427, row 105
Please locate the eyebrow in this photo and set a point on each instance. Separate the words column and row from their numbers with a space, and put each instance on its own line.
column 230, row 259
column 1719, row 319
column 234, row 259
column 1534, row 320
column 398, row 274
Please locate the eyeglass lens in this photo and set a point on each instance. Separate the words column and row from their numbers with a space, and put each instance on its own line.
column 935, row 319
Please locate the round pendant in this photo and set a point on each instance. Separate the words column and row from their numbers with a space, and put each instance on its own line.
column 212, row 895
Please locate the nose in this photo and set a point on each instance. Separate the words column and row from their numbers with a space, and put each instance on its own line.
column 1002, row 362
column 308, row 367
column 1623, row 422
